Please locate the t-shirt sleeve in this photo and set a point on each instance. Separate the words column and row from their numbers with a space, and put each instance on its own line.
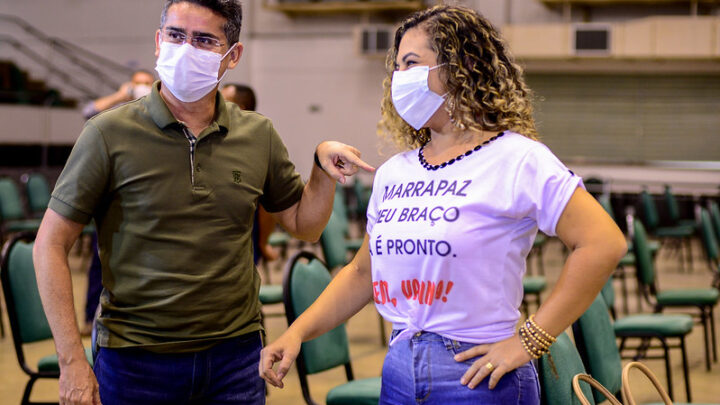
column 373, row 204
column 283, row 185
column 84, row 178
column 543, row 187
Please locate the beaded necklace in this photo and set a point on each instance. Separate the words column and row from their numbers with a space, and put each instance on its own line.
column 461, row 156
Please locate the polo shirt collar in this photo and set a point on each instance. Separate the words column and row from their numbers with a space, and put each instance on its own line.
column 163, row 118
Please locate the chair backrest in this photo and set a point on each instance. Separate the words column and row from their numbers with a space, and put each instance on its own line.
column 710, row 242
column 362, row 197
column 38, row 192
column 715, row 216
column 643, row 258
column 595, row 340
column 604, row 200
column 333, row 242
column 10, row 203
column 340, row 203
column 22, row 299
column 649, row 210
column 557, row 389
column 672, row 205
column 608, row 295
column 304, row 280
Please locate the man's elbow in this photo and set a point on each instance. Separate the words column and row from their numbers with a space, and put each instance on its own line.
column 311, row 236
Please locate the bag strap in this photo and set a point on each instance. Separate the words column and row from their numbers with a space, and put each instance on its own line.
column 627, row 395
column 595, row 384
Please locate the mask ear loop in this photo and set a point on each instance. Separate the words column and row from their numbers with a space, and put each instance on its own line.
column 223, row 57
column 229, row 50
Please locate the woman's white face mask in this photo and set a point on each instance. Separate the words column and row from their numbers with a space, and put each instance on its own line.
column 189, row 73
column 412, row 97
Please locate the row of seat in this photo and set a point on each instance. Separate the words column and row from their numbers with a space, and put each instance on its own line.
column 14, row 215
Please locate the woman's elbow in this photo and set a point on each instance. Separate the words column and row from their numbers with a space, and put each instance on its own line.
column 615, row 246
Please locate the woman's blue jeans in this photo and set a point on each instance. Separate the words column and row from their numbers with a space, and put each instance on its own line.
column 421, row 370
column 227, row 373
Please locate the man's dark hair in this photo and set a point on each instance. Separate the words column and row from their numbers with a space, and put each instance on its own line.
column 244, row 96
column 231, row 10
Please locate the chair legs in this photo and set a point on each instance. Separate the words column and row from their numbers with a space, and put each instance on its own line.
column 28, row 390
column 708, row 322
column 685, row 369
column 645, row 346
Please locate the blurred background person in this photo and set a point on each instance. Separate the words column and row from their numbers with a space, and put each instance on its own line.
column 139, row 85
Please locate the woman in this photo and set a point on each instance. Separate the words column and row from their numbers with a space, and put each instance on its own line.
column 451, row 222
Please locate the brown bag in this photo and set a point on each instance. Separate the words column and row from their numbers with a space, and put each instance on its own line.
column 595, row 384
column 627, row 395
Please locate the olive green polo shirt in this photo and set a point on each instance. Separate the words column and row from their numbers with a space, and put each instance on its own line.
column 174, row 222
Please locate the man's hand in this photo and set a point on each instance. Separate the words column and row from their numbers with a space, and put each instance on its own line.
column 339, row 160
column 284, row 350
column 78, row 385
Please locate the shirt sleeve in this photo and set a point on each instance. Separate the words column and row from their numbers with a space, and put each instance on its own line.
column 84, row 178
column 376, row 194
column 543, row 187
column 283, row 185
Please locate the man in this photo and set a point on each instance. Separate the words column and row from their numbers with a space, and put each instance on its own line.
column 264, row 223
column 138, row 86
column 173, row 180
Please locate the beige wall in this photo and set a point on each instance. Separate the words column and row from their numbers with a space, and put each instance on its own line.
column 653, row 37
column 309, row 78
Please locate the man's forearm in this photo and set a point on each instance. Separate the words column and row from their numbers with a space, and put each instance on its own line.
column 55, row 286
column 315, row 206
column 50, row 256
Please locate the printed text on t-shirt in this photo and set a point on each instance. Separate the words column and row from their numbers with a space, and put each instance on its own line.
column 424, row 292
column 429, row 189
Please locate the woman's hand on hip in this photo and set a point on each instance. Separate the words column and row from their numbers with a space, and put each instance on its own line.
column 495, row 360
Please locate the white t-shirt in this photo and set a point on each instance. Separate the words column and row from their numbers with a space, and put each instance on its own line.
column 448, row 247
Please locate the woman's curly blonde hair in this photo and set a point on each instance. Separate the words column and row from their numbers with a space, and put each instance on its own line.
column 485, row 87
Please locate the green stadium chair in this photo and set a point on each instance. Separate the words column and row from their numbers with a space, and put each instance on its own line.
column 703, row 299
column 305, row 277
column 25, row 311
column 595, row 334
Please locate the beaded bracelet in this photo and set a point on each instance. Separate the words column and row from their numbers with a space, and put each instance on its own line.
column 541, row 330
column 537, row 341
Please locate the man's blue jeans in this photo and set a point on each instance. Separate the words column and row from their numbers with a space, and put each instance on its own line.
column 421, row 370
column 227, row 373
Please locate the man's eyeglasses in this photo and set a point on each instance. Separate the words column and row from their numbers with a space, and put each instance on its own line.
column 200, row 42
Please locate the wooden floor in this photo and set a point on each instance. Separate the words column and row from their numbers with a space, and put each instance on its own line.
column 367, row 353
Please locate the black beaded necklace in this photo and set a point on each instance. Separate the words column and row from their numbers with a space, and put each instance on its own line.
column 428, row 166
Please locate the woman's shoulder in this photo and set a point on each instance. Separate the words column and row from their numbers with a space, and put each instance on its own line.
column 516, row 140
column 400, row 160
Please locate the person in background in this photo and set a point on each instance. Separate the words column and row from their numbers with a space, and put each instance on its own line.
column 139, row 85
column 172, row 181
column 264, row 223
column 451, row 221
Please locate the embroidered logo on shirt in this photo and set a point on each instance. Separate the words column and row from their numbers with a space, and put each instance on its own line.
column 237, row 179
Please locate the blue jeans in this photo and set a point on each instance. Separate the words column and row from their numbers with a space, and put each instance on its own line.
column 227, row 373
column 421, row 370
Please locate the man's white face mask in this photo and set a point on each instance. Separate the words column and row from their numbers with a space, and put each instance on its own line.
column 412, row 97
column 189, row 73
